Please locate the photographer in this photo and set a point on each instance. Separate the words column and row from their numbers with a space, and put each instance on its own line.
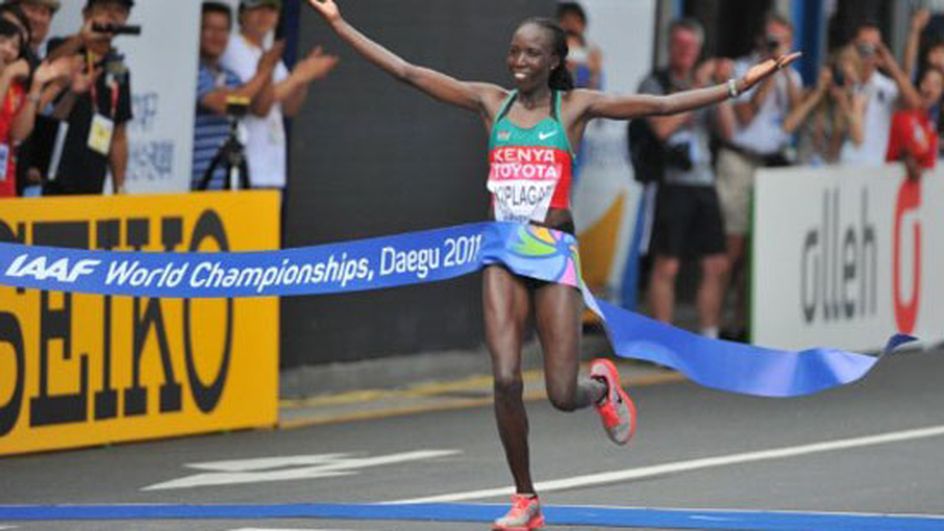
column 883, row 95
column 216, row 85
column 758, row 142
column 688, row 220
column 95, row 105
column 831, row 112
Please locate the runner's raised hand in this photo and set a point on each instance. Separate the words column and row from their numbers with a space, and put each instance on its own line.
column 765, row 69
column 327, row 8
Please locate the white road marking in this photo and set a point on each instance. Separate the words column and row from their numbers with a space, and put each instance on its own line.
column 280, row 529
column 290, row 468
column 693, row 464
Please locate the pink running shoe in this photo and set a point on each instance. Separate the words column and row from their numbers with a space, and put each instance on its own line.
column 616, row 410
column 525, row 514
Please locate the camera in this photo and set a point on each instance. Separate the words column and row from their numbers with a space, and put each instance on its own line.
column 839, row 79
column 237, row 106
column 865, row 49
column 115, row 29
column 678, row 156
column 772, row 43
column 114, row 64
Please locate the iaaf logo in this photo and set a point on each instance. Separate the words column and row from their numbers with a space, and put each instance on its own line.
column 839, row 263
column 62, row 270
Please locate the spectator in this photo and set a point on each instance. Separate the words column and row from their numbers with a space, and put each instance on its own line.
column 913, row 138
column 933, row 53
column 96, row 106
column 932, row 56
column 688, row 220
column 14, row 14
column 20, row 97
column 39, row 14
column 577, row 56
column 882, row 94
column 759, row 141
column 266, row 144
column 584, row 60
column 831, row 112
column 215, row 84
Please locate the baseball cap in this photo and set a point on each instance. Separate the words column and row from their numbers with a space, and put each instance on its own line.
column 252, row 4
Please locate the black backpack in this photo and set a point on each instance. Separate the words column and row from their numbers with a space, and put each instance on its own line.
column 646, row 150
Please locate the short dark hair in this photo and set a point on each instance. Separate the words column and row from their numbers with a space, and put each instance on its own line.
column 866, row 24
column 217, row 7
column 127, row 3
column 935, row 41
column 26, row 32
column 571, row 8
column 9, row 29
column 560, row 78
column 931, row 69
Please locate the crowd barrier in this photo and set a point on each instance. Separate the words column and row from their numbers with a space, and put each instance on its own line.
column 843, row 256
column 79, row 370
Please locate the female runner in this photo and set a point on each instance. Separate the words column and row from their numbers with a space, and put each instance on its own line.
column 533, row 130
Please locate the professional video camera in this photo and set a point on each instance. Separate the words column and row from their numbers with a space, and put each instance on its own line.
column 232, row 153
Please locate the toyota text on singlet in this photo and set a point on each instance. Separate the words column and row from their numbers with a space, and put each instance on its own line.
column 530, row 168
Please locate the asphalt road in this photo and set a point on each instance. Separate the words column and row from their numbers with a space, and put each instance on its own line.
column 874, row 447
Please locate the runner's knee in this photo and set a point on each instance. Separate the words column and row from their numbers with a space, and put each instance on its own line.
column 563, row 398
column 508, row 387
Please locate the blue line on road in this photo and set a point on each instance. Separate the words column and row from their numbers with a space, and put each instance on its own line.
column 555, row 514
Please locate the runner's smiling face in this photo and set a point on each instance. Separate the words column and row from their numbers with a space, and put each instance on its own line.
column 531, row 58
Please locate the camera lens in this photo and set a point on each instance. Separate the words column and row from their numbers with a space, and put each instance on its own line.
column 773, row 43
column 865, row 49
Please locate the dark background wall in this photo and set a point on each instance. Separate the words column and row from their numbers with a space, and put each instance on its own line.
column 370, row 156
column 731, row 26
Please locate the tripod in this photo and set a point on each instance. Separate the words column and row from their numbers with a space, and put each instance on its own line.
column 233, row 158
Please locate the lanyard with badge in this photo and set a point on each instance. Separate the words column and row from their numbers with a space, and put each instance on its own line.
column 102, row 129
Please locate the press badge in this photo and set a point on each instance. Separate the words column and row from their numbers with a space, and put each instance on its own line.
column 4, row 159
column 100, row 134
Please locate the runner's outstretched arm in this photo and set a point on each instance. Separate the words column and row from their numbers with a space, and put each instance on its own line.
column 468, row 95
column 626, row 107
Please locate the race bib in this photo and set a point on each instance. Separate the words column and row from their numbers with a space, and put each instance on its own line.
column 522, row 181
column 100, row 134
column 521, row 200
column 4, row 160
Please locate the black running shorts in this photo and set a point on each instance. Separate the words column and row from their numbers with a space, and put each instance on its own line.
column 688, row 222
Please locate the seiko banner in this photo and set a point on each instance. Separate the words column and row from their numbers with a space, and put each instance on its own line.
column 844, row 256
column 79, row 370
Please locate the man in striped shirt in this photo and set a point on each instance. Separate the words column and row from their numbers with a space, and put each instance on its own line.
column 215, row 84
